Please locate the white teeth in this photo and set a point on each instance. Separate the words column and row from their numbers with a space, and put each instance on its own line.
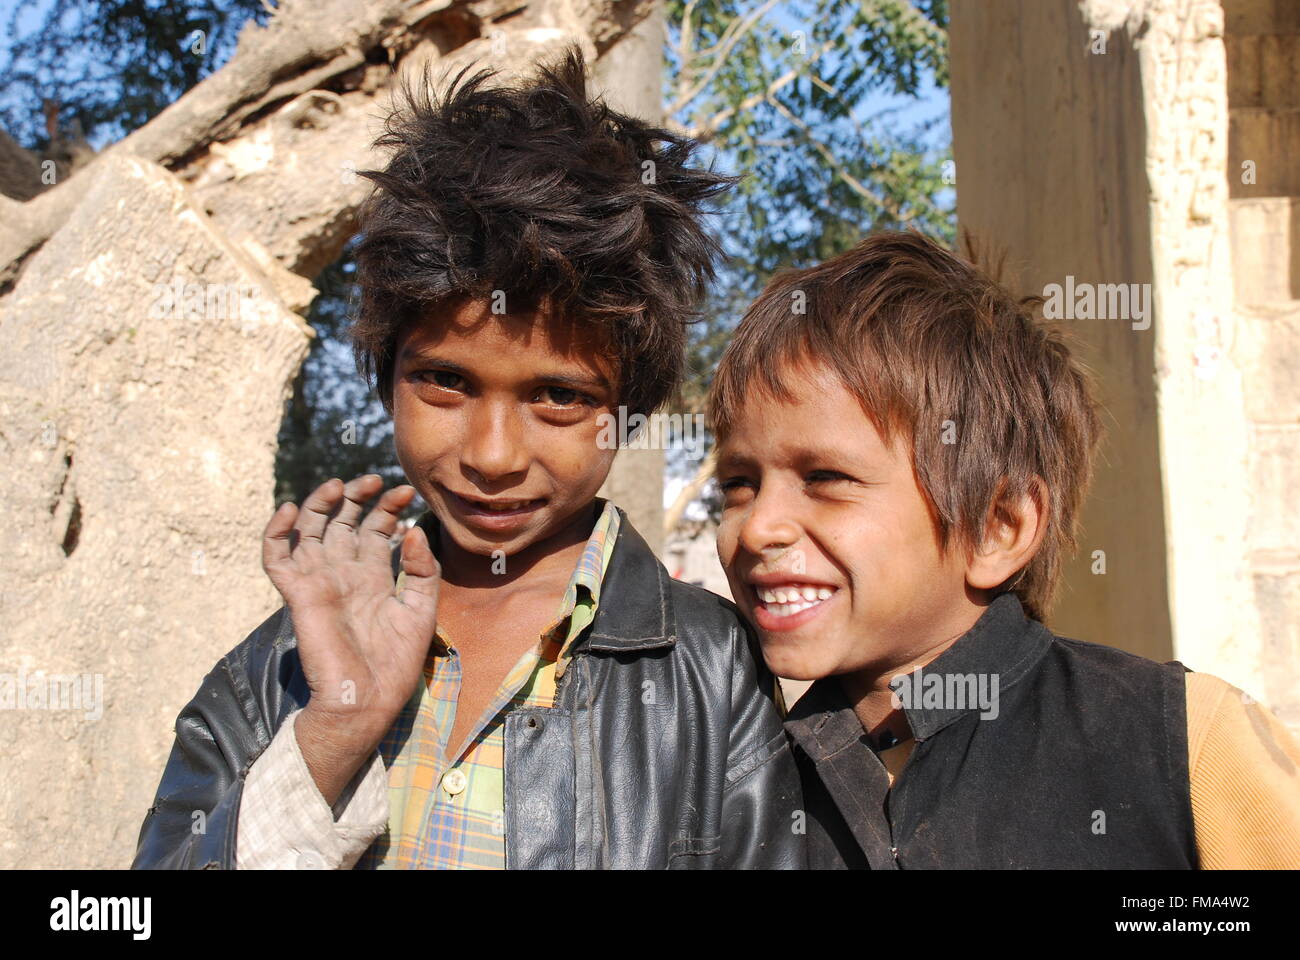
column 793, row 594
column 790, row 609
column 787, row 601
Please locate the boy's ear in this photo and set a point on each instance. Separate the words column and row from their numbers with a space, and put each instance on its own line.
column 1013, row 532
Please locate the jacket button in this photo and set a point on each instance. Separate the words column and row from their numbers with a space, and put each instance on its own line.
column 455, row 781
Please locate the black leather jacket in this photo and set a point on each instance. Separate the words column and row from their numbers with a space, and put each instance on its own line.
column 665, row 747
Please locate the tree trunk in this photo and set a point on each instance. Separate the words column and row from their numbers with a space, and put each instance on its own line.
column 630, row 77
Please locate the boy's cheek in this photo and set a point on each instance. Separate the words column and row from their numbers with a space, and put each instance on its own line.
column 741, row 593
column 727, row 543
column 418, row 465
column 420, row 441
column 588, row 466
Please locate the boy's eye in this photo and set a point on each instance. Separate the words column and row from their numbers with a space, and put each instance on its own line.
column 733, row 483
column 443, row 378
column 562, row 396
column 828, row 476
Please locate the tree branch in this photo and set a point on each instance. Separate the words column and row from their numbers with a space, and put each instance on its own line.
column 737, row 29
column 307, row 44
column 713, row 125
column 688, row 493
column 834, row 164
column 685, row 47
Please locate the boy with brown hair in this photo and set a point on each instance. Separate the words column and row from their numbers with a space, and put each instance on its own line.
column 903, row 452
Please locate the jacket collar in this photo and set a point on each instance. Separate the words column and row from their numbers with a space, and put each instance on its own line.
column 636, row 612
column 1003, row 644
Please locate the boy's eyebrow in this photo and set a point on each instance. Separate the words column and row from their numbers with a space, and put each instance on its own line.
column 409, row 355
column 564, row 379
column 417, row 355
column 802, row 454
column 732, row 460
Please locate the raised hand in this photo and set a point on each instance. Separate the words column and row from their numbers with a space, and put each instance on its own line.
column 361, row 647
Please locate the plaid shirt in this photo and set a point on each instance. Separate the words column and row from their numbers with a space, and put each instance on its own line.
column 448, row 812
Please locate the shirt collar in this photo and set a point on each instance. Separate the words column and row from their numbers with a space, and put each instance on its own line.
column 590, row 571
column 999, row 649
column 582, row 596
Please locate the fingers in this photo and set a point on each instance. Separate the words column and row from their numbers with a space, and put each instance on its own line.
column 316, row 510
column 328, row 518
column 340, row 532
column 378, row 528
column 418, row 561
column 275, row 538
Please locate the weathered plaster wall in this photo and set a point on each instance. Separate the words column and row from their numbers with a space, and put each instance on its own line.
column 630, row 78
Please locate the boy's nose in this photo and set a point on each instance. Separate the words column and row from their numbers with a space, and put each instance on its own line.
column 494, row 447
column 769, row 526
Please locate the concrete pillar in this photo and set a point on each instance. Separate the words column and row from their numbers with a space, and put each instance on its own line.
column 1092, row 142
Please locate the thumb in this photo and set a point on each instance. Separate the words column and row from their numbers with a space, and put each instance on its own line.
column 422, row 572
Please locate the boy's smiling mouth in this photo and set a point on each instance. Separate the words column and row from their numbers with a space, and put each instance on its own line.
column 492, row 513
column 785, row 604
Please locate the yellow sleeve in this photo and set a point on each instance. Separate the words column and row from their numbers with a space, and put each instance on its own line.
column 1244, row 767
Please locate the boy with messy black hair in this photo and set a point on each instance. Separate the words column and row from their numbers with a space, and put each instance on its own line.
column 903, row 460
column 534, row 690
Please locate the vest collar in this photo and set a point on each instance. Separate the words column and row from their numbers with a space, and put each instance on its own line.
column 1001, row 647
column 1003, row 643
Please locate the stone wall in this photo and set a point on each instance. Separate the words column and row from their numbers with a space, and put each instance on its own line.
column 1262, row 40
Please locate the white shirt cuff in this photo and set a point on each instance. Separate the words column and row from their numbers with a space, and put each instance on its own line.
column 285, row 823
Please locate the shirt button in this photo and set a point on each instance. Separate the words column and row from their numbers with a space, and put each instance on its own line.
column 310, row 860
column 455, row 781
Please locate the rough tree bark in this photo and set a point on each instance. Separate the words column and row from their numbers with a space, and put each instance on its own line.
column 150, row 310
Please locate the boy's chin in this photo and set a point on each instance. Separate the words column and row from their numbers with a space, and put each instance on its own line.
column 488, row 543
column 793, row 661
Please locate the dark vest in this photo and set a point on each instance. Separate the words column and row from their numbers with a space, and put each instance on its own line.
column 1083, row 766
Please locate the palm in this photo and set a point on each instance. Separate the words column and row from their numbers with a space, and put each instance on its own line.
column 361, row 647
